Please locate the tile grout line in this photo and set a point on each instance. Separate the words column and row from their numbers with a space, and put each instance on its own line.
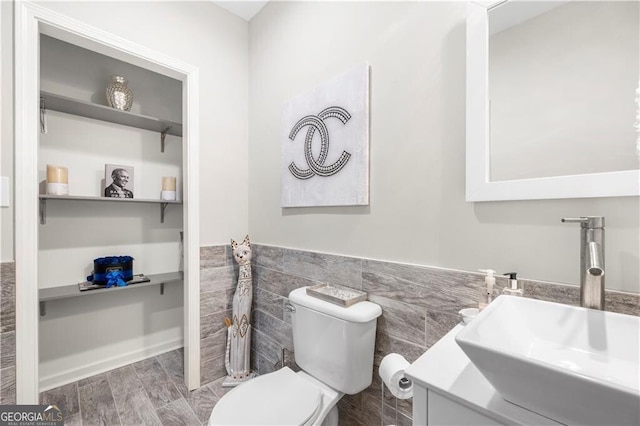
column 144, row 389
column 173, row 384
column 113, row 396
column 167, row 373
column 79, row 407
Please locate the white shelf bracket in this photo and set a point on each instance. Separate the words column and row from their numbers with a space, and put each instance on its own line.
column 163, row 135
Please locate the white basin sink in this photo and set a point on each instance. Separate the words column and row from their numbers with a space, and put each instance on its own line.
column 571, row 364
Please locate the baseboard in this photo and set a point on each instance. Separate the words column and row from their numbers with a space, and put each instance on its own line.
column 102, row 366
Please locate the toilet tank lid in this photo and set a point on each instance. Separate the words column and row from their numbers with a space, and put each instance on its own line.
column 358, row 312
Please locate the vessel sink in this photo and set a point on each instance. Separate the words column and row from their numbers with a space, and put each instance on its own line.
column 573, row 365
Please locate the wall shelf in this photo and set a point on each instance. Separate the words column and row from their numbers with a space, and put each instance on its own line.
column 43, row 203
column 69, row 291
column 68, row 105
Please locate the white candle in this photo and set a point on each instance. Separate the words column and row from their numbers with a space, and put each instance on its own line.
column 57, row 180
column 169, row 183
column 168, row 188
column 57, row 174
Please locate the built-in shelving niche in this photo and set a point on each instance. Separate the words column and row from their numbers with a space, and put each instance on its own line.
column 132, row 324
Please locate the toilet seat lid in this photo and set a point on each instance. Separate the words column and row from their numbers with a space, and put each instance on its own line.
column 278, row 398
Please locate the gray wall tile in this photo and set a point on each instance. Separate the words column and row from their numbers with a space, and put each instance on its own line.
column 8, row 386
column 278, row 330
column 403, row 320
column 279, row 283
column 214, row 345
column 433, row 289
column 350, row 414
column 213, row 257
column 218, row 280
column 624, row 303
column 213, row 279
column 566, row 294
column 216, row 301
column 267, row 257
column 268, row 348
column 439, row 324
column 268, row 302
column 7, row 296
column 212, row 324
column 212, row 369
column 327, row 268
column 7, row 349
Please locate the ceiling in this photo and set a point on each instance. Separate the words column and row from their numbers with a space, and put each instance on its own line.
column 246, row 9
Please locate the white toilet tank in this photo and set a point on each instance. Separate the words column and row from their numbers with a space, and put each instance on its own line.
column 332, row 343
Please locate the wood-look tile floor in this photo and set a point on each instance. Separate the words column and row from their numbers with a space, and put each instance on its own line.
column 149, row 392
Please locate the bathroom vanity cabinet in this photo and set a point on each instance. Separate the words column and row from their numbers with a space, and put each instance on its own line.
column 449, row 390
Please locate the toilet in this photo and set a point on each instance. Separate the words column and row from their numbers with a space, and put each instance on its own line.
column 334, row 348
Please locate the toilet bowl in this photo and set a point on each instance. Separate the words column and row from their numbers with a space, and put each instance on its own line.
column 334, row 348
column 279, row 398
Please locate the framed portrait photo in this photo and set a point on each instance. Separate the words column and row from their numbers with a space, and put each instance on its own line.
column 118, row 181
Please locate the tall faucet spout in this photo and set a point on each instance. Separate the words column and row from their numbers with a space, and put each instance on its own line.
column 592, row 293
column 591, row 260
column 594, row 263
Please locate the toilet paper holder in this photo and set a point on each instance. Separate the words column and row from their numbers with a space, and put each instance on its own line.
column 404, row 383
column 391, row 372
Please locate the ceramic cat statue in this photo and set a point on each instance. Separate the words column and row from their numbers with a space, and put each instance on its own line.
column 237, row 358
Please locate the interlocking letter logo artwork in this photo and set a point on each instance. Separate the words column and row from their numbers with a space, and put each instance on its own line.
column 316, row 123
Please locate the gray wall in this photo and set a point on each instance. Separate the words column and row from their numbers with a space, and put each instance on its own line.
column 417, row 212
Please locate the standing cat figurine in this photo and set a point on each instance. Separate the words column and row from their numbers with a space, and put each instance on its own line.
column 237, row 358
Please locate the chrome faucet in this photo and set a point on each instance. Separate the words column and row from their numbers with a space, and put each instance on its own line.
column 591, row 260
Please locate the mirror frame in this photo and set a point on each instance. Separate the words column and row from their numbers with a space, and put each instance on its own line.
column 478, row 186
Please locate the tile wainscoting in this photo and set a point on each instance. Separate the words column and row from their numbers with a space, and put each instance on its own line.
column 218, row 280
column 419, row 304
column 7, row 333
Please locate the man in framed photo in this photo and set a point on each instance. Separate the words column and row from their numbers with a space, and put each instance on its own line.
column 117, row 188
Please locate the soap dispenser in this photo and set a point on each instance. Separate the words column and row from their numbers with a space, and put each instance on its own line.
column 512, row 289
column 486, row 292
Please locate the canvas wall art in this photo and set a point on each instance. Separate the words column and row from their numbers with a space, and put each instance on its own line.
column 325, row 143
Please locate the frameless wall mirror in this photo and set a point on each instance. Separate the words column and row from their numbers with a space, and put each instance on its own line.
column 553, row 107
